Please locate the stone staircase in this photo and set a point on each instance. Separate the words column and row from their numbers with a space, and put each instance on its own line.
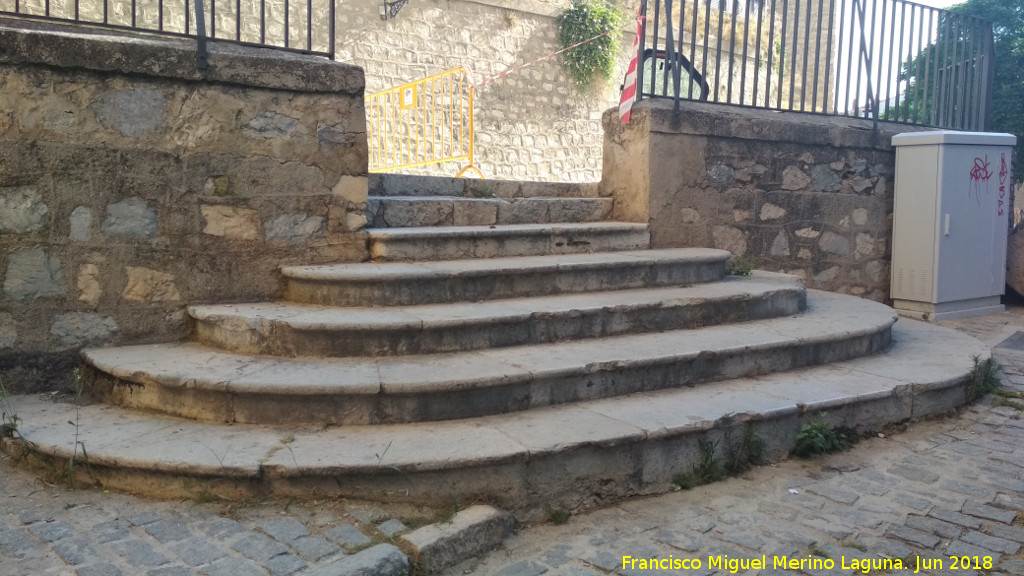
column 525, row 364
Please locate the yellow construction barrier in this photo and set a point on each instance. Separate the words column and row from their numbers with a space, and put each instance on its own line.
column 427, row 121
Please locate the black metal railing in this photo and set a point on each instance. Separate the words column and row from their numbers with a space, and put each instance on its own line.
column 888, row 60
column 304, row 26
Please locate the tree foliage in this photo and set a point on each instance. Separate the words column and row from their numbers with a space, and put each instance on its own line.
column 1007, row 111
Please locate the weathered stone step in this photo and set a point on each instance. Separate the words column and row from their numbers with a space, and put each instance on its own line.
column 453, row 242
column 406, row 284
column 409, row 185
column 203, row 383
column 411, row 211
column 288, row 329
column 567, row 455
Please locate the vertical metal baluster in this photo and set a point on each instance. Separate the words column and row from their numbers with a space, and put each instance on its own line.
column 682, row 30
column 901, row 112
column 757, row 54
column 954, row 72
column 989, row 70
column 881, row 53
column 263, row 21
column 966, row 86
column 899, row 57
column 718, row 52
column 839, row 57
column 732, row 55
column 640, row 51
column 827, row 84
column 655, row 45
column 704, row 57
column 238, row 36
column 160, row 15
column 796, row 55
column 875, row 59
column 851, row 54
column 134, row 9
column 806, row 56
column 743, row 58
column 978, row 43
column 817, row 62
column 287, row 22
column 921, row 88
column 771, row 59
column 941, row 60
column 782, row 50
column 924, row 105
column 213, row 18
column 188, row 17
column 202, row 60
column 309, row 25
column 693, row 45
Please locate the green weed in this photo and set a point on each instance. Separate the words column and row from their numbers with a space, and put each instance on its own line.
column 819, row 437
column 557, row 516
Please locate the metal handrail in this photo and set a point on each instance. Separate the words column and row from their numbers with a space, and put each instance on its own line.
column 885, row 60
column 303, row 26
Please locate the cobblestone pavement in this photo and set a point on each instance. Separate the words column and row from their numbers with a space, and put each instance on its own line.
column 943, row 488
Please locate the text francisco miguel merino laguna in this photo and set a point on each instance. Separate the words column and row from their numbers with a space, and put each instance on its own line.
column 863, row 565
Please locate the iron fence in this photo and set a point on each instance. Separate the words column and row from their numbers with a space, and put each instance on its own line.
column 890, row 60
column 304, row 26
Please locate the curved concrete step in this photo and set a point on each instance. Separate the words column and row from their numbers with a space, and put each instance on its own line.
column 413, row 211
column 203, row 383
column 453, row 242
column 288, row 329
column 406, row 284
column 565, row 455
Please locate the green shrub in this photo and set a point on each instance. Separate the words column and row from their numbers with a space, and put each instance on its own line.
column 819, row 437
column 594, row 60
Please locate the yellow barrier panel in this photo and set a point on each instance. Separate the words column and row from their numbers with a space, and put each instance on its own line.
column 427, row 121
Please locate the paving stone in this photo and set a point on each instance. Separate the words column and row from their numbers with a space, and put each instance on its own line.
column 992, row 543
column 954, row 517
column 934, row 526
column 223, row 528
column 972, row 490
column 911, row 501
column 834, row 494
column 913, row 536
column 231, row 566
column 347, row 535
column 76, row 551
column 1004, row 483
column 52, row 531
column 379, row 560
column 557, row 556
column 197, row 551
column 1008, row 532
column 143, row 518
column 15, row 543
column 1010, row 501
column 525, row 568
column 314, row 548
column 30, row 517
column 914, row 473
column 284, row 564
column 138, row 553
column 391, row 527
column 259, row 547
column 170, row 571
column 740, row 538
column 679, row 541
column 988, row 512
column 960, row 548
column 603, row 559
column 167, row 530
column 284, row 530
column 110, row 530
column 99, row 570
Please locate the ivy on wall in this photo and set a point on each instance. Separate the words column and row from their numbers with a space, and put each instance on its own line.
column 598, row 22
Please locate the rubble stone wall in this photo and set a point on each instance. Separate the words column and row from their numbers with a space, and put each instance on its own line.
column 133, row 184
column 796, row 193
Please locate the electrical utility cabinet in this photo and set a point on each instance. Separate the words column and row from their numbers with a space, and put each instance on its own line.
column 951, row 218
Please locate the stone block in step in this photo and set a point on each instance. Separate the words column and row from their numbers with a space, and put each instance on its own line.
column 471, row 280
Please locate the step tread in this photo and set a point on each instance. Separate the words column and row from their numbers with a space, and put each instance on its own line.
column 190, row 365
column 483, row 267
column 500, row 230
column 325, row 318
column 923, row 356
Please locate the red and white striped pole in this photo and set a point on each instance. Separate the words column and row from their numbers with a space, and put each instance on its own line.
column 629, row 87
